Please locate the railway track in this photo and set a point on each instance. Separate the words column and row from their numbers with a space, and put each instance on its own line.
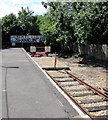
column 90, row 100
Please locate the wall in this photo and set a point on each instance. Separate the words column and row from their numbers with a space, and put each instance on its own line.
column 97, row 51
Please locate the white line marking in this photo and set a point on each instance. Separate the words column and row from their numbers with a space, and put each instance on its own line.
column 4, row 90
column 61, row 91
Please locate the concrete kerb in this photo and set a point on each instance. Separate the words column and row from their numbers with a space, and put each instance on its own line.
column 81, row 114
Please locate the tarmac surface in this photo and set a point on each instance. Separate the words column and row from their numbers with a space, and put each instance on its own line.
column 27, row 92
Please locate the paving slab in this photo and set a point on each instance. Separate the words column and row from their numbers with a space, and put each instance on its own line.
column 27, row 92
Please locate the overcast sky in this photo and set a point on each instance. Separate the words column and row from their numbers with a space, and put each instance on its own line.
column 13, row 6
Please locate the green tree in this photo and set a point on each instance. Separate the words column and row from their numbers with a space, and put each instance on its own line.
column 90, row 22
column 68, row 23
column 9, row 27
column 24, row 24
column 28, row 22
column 56, row 25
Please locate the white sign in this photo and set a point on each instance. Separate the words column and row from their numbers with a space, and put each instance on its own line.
column 26, row 38
column 13, row 44
column 47, row 49
column 32, row 49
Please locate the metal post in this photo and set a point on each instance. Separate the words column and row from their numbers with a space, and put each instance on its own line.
column 55, row 60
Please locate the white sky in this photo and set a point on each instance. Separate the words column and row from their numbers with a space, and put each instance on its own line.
column 13, row 6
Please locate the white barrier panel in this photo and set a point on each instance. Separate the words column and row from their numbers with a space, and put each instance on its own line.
column 32, row 49
column 13, row 44
column 47, row 49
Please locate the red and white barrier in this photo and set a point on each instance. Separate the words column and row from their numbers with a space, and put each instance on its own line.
column 39, row 51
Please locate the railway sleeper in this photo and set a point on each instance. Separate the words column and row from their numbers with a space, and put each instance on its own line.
column 100, row 113
column 76, row 87
column 70, row 82
column 105, row 89
column 64, row 85
column 106, row 93
column 103, row 117
column 96, row 108
column 103, row 103
column 87, row 101
column 65, row 80
column 59, row 77
column 73, row 90
column 81, row 94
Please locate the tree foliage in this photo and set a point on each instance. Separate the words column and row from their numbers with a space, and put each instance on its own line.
column 24, row 24
column 28, row 22
column 9, row 26
column 91, row 22
column 56, row 26
column 64, row 24
column 76, row 22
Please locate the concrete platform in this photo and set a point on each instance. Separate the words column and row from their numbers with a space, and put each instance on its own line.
column 27, row 92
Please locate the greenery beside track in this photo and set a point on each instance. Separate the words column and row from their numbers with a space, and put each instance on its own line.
column 64, row 24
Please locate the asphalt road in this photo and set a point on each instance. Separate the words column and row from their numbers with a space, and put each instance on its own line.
column 27, row 92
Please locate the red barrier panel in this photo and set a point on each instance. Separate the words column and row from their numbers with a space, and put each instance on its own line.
column 55, row 61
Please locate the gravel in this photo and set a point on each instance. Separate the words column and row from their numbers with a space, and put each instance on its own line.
column 95, row 76
column 92, row 74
